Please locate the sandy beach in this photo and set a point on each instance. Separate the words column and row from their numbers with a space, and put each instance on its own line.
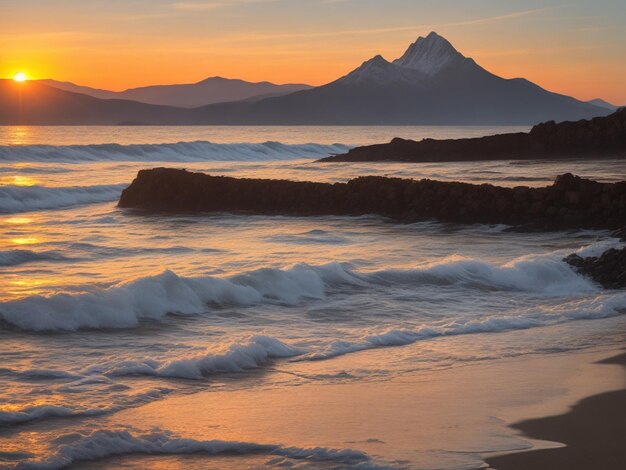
column 455, row 418
column 593, row 432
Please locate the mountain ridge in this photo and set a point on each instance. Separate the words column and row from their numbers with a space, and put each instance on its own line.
column 210, row 90
column 430, row 84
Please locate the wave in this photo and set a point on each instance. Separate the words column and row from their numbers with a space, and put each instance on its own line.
column 254, row 353
column 15, row 199
column 597, row 308
column 541, row 275
column 125, row 305
column 26, row 414
column 153, row 297
column 79, row 447
column 176, row 152
column 38, row 412
column 17, row 257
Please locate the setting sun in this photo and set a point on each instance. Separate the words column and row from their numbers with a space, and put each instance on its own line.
column 20, row 77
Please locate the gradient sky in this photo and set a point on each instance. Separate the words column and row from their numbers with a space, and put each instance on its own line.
column 576, row 47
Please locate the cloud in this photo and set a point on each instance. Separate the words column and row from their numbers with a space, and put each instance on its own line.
column 213, row 4
column 372, row 31
column 494, row 19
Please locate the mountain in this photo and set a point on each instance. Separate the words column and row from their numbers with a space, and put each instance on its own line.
column 603, row 104
column 430, row 84
column 430, row 55
column 33, row 103
column 208, row 91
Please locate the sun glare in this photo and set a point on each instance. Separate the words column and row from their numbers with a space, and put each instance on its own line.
column 20, row 77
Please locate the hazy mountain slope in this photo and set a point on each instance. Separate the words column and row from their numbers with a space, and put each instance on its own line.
column 603, row 104
column 38, row 104
column 211, row 90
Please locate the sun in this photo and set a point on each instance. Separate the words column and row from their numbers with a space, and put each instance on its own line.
column 20, row 77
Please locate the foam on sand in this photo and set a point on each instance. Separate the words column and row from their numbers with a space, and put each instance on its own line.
column 79, row 447
column 588, row 309
column 12, row 414
column 251, row 354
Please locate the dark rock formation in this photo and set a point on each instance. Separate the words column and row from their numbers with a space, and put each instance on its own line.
column 571, row 202
column 598, row 137
column 608, row 269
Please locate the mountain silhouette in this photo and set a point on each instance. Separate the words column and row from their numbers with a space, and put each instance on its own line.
column 430, row 84
column 191, row 95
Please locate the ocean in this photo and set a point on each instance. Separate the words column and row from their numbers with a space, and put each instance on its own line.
column 114, row 321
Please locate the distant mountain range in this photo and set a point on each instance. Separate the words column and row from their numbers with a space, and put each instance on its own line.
column 604, row 104
column 430, row 84
column 208, row 91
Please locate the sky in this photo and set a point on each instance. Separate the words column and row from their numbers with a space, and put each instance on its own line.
column 575, row 47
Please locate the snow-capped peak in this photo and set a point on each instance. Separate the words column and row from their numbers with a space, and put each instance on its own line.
column 378, row 71
column 429, row 55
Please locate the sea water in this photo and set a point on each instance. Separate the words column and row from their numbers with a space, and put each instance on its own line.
column 104, row 310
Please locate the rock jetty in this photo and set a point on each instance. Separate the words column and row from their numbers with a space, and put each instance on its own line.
column 570, row 203
column 601, row 137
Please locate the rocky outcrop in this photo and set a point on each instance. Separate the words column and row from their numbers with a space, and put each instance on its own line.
column 608, row 269
column 598, row 137
column 571, row 202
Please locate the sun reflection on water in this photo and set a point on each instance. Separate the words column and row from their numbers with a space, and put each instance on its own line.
column 25, row 240
column 18, row 180
column 19, row 135
column 18, row 220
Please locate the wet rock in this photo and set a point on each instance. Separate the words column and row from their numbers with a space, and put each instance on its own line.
column 600, row 137
column 608, row 269
column 570, row 203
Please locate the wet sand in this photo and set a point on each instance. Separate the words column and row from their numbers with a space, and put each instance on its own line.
column 420, row 420
column 594, row 434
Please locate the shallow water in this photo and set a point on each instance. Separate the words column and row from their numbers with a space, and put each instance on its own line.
column 104, row 311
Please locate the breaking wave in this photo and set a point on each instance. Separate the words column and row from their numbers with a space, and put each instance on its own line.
column 177, row 152
column 125, row 305
column 28, row 413
column 254, row 353
column 15, row 199
column 79, row 447
column 596, row 308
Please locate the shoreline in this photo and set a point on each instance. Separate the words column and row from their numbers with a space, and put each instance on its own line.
column 404, row 419
column 591, row 433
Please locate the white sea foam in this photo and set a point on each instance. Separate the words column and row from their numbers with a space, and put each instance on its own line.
column 176, row 152
column 38, row 412
column 29, row 198
column 599, row 307
column 250, row 354
column 78, row 447
column 27, row 413
column 153, row 297
column 547, row 275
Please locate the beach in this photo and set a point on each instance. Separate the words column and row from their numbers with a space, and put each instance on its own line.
column 220, row 340
column 592, row 432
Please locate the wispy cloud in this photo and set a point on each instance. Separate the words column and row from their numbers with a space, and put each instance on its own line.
column 382, row 30
column 213, row 4
column 495, row 19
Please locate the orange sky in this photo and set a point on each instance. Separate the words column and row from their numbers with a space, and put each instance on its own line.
column 576, row 49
